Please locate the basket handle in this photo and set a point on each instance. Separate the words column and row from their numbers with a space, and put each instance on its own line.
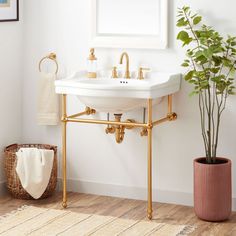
column 6, row 149
column 54, row 148
column 15, row 145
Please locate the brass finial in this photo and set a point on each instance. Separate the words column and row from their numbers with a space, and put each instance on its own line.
column 92, row 55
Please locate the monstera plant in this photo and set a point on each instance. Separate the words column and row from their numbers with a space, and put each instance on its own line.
column 210, row 63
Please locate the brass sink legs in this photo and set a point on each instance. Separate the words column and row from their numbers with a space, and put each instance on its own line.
column 116, row 127
column 64, row 124
column 149, row 161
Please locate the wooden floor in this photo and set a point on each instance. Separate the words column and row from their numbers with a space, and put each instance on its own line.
column 129, row 209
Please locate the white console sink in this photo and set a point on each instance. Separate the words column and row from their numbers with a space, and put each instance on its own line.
column 105, row 94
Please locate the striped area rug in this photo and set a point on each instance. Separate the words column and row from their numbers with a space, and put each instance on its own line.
column 34, row 221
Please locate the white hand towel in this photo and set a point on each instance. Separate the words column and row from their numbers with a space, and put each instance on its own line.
column 34, row 167
column 48, row 104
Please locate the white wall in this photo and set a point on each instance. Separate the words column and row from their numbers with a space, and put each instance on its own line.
column 94, row 157
column 11, row 85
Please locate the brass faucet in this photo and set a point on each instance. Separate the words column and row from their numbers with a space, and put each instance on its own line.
column 127, row 73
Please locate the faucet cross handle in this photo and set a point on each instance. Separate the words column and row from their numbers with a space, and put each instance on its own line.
column 114, row 72
column 140, row 72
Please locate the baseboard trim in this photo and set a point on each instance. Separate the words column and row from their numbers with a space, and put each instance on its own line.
column 3, row 189
column 164, row 196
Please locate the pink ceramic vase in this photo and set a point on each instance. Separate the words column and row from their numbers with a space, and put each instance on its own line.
column 212, row 189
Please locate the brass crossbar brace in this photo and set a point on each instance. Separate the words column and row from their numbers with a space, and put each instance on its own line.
column 105, row 122
column 88, row 111
column 119, row 126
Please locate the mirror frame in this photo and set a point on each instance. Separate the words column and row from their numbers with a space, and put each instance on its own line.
column 126, row 41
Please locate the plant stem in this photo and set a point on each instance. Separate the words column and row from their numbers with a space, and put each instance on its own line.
column 209, row 124
column 217, row 135
column 213, row 120
column 202, row 115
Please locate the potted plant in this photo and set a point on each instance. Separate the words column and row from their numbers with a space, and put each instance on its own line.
column 211, row 63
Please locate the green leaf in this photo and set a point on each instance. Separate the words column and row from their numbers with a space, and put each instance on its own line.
column 189, row 75
column 186, row 8
column 218, row 79
column 193, row 81
column 215, row 70
column 227, row 63
column 197, row 20
column 185, row 64
column 198, row 54
column 187, row 41
column 201, row 60
column 183, row 36
column 189, row 52
column 215, row 79
column 182, row 22
column 204, row 83
column 216, row 48
column 208, row 53
column 217, row 60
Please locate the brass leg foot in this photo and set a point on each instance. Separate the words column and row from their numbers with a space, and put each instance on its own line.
column 149, row 215
column 64, row 204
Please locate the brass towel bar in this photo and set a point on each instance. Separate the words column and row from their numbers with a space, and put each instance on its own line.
column 52, row 56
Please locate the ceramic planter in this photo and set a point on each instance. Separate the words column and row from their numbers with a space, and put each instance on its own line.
column 212, row 189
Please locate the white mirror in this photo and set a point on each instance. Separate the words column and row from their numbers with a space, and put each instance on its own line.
column 129, row 23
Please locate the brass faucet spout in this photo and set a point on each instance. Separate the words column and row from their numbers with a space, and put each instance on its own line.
column 127, row 73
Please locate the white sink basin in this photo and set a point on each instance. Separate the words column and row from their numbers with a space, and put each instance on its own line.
column 105, row 94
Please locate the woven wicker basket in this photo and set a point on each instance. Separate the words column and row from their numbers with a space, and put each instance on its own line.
column 13, row 182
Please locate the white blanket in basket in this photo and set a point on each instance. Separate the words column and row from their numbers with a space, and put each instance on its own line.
column 34, row 167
